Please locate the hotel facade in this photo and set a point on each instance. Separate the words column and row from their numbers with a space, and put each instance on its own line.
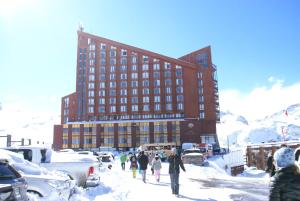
column 126, row 96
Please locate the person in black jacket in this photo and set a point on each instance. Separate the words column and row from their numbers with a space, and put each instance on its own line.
column 174, row 163
column 143, row 162
column 285, row 184
column 270, row 165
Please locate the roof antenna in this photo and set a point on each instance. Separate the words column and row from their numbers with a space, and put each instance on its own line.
column 80, row 27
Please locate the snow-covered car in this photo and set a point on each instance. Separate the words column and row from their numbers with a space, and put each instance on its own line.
column 192, row 156
column 12, row 185
column 41, row 182
column 83, row 168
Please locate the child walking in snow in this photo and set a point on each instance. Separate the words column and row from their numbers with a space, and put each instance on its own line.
column 133, row 165
column 156, row 165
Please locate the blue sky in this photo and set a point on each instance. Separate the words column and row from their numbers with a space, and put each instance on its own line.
column 255, row 44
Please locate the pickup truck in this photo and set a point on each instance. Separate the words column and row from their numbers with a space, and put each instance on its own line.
column 82, row 168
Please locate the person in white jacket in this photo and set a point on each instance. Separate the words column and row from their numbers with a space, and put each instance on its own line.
column 156, row 165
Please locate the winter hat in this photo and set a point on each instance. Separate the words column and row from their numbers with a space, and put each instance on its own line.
column 174, row 151
column 284, row 157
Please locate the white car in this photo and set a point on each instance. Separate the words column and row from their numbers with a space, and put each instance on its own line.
column 41, row 182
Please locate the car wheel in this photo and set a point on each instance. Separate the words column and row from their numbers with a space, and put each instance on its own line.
column 33, row 195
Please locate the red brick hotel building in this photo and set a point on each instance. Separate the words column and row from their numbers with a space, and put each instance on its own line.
column 126, row 96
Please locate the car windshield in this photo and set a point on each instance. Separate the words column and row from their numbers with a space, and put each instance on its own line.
column 6, row 172
column 105, row 159
column 192, row 151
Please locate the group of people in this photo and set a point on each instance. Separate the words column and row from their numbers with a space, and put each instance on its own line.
column 140, row 163
column 285, row 175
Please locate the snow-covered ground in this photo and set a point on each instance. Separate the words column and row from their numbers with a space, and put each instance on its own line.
column 197, row 183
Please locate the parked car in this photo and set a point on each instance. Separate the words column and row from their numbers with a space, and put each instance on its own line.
column 83, row 168
column 192, row 156
column 41, row 182
column 12, row 185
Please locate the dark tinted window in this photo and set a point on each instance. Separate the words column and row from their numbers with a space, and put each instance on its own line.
column 7, row 172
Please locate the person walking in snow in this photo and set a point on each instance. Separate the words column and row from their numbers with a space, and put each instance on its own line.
column 270, row 165
column 133, row 165
column 156, row 166
column 174, row 163
column 285, row 184
column 143, row 162
column 123, row 159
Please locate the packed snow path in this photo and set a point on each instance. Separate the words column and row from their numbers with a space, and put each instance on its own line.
column 197, row 183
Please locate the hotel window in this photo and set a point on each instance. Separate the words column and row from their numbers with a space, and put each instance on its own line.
column 112, row 76
column 112, row 109
column 145, row 59
column 123, row 76
column 113, row 51
column 112, row 69
column 178, row 73
column 133, row 68
column 102, row 46
column 155, row 66
column 202, row 59
column 168, row 98
column 91, row 109
column 123, row 61
column 102, row 92
column 123, row 68
column 202, row 115
column 146, row 107
column 156, row 99
column 179, row 81
column 133, row 57
column 92, row 55
column 156, row 83
column 156, row 74
column 201, row 106
column 112, row 92
column 102, row 69
column 123, row 108
column 112, row 101
column 134, row 91
column 101, row 101
column 123, row 92
column 145, row 83
column 113, row 61
column 92, row 62
column 102, row 61
column 168, row 90
column 145, row 75
column 134, row 76
column 102, row 77
column 179, row 98
column 123, row 84
column 101, row 109
column 145, row 67
column 134, row 83
column 146, row 91
column 179, row 106
column 146, row 99
column 201, row 99
column 112, row 84
column 167, row 66
column 91, row 85
column 91, row 93
column 179, row 90
column 123, row 100
column 169, row 106
column 91, row 101
column 200, row 75
column 178, row 67
column 123, row 52
column 157, row 107
column 168, row 82
column 155, row 60
column 134, row 107
column 92, row 69
column 200, row 90
column 134, row 100
column 167, row 74
column 200, row 83
column 91, row 77
column 156, row 91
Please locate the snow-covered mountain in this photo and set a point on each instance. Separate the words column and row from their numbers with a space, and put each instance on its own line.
column 282, row 125
column 23, row 124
